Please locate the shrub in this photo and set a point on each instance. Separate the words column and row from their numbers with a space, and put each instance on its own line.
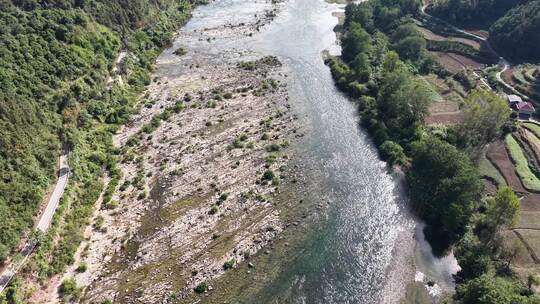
column 213, row 210
column 223, row 197
column 268, row 175
column 393, row 153
column 229, row 264
column 69, row 288
column 82, row 267
column 202, row 287
column 180, row 52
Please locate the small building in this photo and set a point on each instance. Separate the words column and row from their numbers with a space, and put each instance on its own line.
column 513, row 99
column 525, row 109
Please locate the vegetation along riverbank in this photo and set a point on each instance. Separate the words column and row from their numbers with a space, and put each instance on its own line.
column 396, row 76
column 64, row 82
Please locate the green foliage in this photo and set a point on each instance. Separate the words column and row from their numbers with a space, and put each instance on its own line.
column 229, row 264
column 51, row 61
column 519, row 27
column 490, row 289
column 268, row 175
column 55, row 61
column 355, row 41
column 472, row 13
column 487, row 169
column 82, row 267
column 393, row 153
column 485, row 114
column 530, row 181
column 444, row 187
column 511, row 23
column 202, row 287
column 69, row 288
column 180, row 52
column 503, row 209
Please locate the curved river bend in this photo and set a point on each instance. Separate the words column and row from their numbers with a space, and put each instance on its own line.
column 362, row 249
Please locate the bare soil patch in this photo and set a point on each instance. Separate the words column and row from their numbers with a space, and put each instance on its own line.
column 531, row 240
column 444, row 112
column 529, row 219
column 523, row 257
column 531, row 202
column 454, row 63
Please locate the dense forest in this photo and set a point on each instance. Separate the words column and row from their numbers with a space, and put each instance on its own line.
column 472, row 13
column 56, row 58
column 513, row 24
column 517, row 34
column 381, row 62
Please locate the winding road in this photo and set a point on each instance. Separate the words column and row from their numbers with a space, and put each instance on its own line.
column 502, row 61
column 42, row 226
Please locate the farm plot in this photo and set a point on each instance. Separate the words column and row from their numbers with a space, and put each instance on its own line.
column 533, row 128
column 489, row 171
column 444, row 112
column 531, row 202
column 455, row 63
column 530, row 181
column 529, row 219
column 532, row 142
column 429, row 35
column 497, row 154
column 525, row 78
column 523, row 257
column 532, row 241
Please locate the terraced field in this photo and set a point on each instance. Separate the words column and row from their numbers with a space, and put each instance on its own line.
column 530, row 181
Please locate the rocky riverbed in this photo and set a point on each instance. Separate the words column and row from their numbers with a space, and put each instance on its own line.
column 201, row 163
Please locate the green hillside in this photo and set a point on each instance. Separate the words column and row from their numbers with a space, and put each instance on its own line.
column 55, row 58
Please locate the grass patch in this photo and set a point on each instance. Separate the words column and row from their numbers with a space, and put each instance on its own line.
column 486, row 168
column 530, row 181
column 533, row 127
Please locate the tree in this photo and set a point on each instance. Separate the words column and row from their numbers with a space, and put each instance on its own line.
column 444, row 188
column 485, row 114
column 504, row 207
column 488, row 289
column 402, row 101
column 393, row 152
column 361, row 67
column 355, row 41
column 411, row 48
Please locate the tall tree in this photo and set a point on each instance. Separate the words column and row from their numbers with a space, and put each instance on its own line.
column 484, row 116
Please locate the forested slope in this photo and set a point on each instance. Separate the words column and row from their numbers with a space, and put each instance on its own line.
column 473, row 12
column 55, row 58
column 517, row 34
column 513, row 24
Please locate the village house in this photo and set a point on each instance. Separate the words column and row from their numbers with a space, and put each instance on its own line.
column 525, row 109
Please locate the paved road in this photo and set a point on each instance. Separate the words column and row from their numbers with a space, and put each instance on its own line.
column 46, row 217
column 43, row 224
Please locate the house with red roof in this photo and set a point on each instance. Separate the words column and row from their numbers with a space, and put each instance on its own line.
column 525, row 109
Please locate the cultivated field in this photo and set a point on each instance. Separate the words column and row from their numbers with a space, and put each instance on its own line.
column 497, row 154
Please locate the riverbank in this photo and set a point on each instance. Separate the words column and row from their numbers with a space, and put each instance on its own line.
column 196, row 188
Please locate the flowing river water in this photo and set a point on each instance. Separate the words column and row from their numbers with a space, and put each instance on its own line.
column 365, row 247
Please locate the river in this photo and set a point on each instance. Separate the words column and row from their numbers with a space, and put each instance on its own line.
column 362, row 249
